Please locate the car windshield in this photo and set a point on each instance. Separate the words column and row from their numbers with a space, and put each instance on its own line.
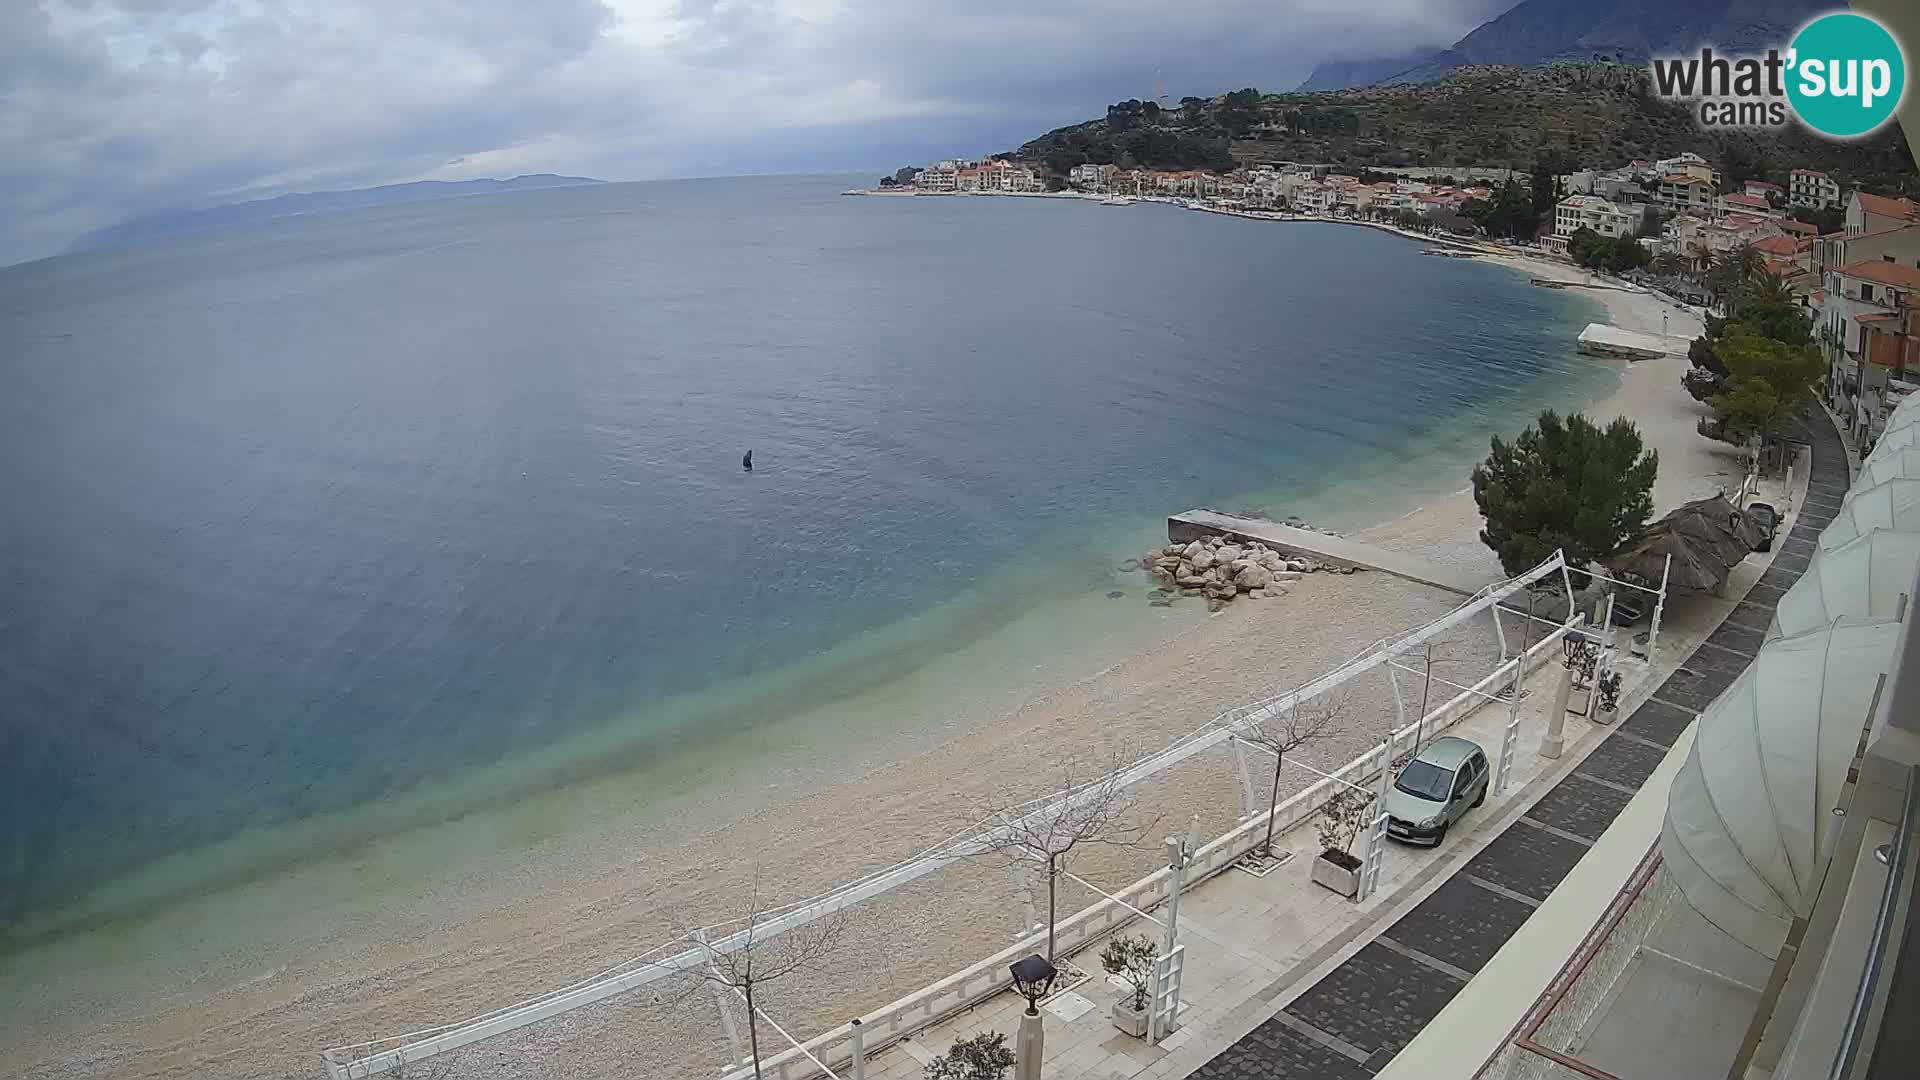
column 1426, row 780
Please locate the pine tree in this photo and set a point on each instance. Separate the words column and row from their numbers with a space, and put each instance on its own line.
column 1567, row 485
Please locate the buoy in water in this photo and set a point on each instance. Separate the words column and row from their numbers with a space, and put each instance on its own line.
column 746, row 461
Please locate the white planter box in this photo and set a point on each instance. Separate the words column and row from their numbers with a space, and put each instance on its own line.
column 1343, row 881
column 1127, row 1019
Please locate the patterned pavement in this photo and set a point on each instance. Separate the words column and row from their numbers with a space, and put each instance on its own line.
column 1353, row 1021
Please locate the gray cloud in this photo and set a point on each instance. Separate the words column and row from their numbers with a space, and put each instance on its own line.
column 114, row 107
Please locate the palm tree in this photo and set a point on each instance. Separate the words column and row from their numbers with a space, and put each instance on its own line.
column 1729, row 272
column 1669, row 264
column 1765, row 288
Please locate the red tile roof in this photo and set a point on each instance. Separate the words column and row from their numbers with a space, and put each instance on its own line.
column 1800, row 227
column 1886, row 273
column 1753, row 201
column 1785, row 246
column 1885, row 229
column 1763, row 184
column 1808, row 172
column 1882, row 206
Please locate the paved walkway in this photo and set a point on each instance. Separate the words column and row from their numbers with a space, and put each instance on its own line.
column 1350, row 1023
column 1338, row 550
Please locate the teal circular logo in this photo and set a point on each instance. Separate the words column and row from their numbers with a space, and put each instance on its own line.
column 1845, row 75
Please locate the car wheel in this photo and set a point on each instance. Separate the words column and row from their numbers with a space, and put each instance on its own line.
column 1440, row 837
column 1482, row 798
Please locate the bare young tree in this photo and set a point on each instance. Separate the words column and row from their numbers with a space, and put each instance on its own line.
column 1047, row 830
column 1287, row 730
column 1441, row 652
column 745, row 955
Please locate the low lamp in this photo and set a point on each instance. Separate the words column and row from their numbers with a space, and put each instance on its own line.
column 1573, row 643
column 1032, row 977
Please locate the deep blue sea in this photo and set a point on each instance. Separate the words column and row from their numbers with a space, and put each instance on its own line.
column 301, row 518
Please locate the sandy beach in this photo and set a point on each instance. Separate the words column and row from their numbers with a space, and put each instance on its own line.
column 394, row 951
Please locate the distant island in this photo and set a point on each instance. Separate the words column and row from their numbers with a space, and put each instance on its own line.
column 154, row 226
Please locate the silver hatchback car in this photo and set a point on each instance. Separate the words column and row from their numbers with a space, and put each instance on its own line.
column 1444, row 780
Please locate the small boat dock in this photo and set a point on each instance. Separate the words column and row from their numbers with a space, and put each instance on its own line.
column 1321, row 548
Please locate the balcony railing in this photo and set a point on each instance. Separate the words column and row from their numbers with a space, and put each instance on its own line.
column 1542, row 1046
column 1859, row 1033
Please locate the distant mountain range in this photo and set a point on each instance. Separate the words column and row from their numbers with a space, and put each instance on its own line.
column 170, row 222
column 1541, row 31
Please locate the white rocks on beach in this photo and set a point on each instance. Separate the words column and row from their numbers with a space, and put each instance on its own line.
column 1220, row 570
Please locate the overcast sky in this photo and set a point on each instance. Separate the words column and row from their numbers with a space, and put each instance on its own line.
column 110, row 108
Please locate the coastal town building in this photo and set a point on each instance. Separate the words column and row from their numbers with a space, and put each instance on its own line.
column 1747, row 203
column 996, row 175
column 1688, row 162
column 1812, row 188
column 939, row 177
column 1763, row 189
column 1686, row 191
column 1867, row 212
column 1865, row 332
column 1092, row 177
column 1618, row 185
column 1609, row 219
column 1898, row 239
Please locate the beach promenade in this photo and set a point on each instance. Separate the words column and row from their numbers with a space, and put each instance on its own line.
column 1286, row 979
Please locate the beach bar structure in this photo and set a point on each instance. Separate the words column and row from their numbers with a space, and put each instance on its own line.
column 1599, row 339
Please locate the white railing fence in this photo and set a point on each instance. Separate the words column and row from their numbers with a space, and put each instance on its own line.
column 937, row 1001
column 982, row 980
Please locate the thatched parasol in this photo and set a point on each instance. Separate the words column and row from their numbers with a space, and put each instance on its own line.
column 1696, row 565
column 1706, row 537
column 1718, row 522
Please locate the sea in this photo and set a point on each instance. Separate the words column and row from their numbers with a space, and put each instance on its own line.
column 360, row 522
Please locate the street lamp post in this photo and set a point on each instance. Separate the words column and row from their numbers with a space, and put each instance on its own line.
column 1032, row 977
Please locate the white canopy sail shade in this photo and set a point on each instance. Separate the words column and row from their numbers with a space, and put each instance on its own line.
column 1896, row 438
column 1905, row 413
column 1890, row 504
column 1902, row 464
column 1749, row 819
column 1864, row 577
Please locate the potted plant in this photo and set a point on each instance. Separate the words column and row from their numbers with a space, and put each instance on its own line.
column 1339, row 825
column 1131, row 958
column 1607, row 700
column 983, row 1057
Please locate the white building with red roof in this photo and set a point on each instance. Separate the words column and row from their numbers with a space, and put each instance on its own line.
column 1867, row 212
column 1812, row 188
column 1867, row 321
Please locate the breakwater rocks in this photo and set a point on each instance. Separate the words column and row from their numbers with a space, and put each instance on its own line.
column 1221, row 570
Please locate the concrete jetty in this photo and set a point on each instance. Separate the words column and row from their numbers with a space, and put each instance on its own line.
column 1599, row 339
column 1321, row 548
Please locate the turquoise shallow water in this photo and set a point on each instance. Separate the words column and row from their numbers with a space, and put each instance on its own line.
column 383, row 515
